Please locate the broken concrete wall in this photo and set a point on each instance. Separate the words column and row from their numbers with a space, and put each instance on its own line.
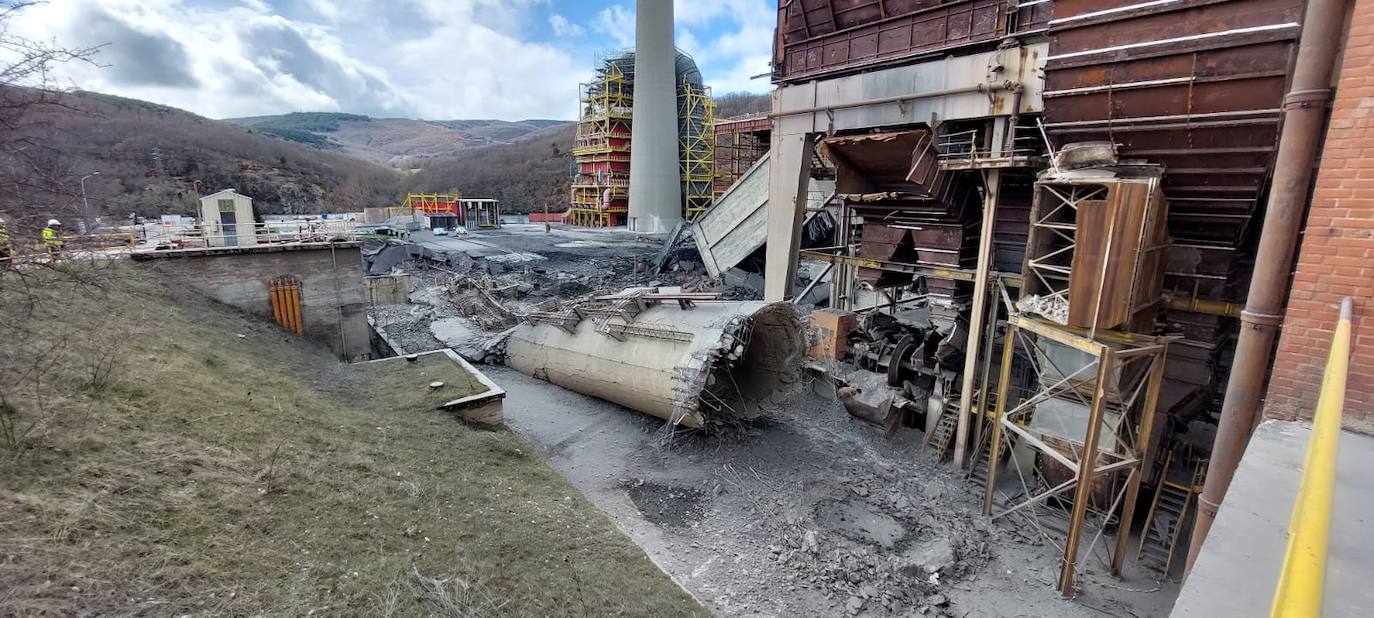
column 737, row 224
column 387, row 289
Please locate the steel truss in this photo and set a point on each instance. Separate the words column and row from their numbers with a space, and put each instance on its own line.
column 1119, row 379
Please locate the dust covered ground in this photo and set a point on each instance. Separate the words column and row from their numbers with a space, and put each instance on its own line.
column 809, row 512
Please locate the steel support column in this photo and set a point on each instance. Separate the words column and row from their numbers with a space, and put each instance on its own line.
column 789, row 172
column 992, row 181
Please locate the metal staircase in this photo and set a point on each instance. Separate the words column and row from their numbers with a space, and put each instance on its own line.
column 1169, row 512
column 942, row 436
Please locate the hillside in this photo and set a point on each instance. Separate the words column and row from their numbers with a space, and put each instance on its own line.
column 525, row 175
column 155, row 159
column 186, row 459
column 532, row 171
column 398, row 142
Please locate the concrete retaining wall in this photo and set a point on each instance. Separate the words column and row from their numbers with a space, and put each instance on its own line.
column 333, row 303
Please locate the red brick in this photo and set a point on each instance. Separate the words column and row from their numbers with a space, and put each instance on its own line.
column 1336, row 253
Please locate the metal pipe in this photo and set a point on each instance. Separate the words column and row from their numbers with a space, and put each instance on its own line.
column 900, row 98
column 1304, row 115
column 1202, row 305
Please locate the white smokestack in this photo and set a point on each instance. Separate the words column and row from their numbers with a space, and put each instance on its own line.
column 655, row 189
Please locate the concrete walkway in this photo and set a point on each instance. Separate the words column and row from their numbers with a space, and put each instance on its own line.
column 1238, row 570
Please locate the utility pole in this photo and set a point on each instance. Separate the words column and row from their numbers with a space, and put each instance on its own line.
column 85, row 203
column 546, row 218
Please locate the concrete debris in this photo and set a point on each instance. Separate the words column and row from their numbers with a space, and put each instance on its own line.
column 932, row 557
column 1053, row 308
column 1085, row 154
column 381, row 257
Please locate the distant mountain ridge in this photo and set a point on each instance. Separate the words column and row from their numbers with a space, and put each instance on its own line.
column 398, row 142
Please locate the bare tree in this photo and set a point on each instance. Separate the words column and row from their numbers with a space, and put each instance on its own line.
column 31, row 175
column 30, row 170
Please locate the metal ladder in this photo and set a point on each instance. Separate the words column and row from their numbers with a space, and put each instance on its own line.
column 1168, row 514
column 978, row 463
column 942, row 436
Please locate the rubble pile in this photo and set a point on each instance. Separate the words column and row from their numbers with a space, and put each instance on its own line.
column 461, row 300
column 891, row 547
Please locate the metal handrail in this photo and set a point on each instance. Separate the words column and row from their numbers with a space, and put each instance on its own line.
column 1301, row 581
column 204, row 235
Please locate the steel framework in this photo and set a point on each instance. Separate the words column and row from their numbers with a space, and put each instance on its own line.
column 737, row 150
column 600, row 185
column 1111, row 384
column 432, row 204
column 696, row 148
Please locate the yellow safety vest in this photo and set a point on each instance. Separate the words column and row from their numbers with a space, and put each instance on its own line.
column 50, row 237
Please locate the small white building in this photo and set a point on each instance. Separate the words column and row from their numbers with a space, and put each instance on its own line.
column 227, row 219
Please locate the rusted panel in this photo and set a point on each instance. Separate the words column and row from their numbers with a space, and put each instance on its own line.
column 901, row 162
column 752, row 124
column 1194, row 85
column 818, row 37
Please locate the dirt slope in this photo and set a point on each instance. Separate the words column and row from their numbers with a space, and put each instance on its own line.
column 164, row 455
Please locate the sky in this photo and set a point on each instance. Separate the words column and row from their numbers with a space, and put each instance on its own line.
column 431, row 59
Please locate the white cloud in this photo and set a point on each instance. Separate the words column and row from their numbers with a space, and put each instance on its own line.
column 418, row 58
column 617, row 22
column 731, row 40
column 564, row 28
column 326, row 8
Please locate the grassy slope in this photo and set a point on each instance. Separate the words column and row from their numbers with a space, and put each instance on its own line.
column 243, row 475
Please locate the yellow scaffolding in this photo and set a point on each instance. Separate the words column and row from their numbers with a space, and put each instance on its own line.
column 600, row 185
column 696, row 148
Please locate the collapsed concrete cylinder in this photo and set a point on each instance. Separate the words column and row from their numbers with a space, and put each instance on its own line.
column 711, row 362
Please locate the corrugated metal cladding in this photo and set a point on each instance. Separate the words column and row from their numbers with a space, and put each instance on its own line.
column 1193, row 84
column 821, row 37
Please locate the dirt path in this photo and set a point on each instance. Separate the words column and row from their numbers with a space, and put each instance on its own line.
column 811, row 514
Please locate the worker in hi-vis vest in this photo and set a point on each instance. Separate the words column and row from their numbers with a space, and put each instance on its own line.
column 51, row 242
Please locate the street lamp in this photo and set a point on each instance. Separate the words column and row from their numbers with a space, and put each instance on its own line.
column 85, row 203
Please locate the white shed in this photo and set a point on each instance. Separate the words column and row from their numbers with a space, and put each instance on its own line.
column 227, row 219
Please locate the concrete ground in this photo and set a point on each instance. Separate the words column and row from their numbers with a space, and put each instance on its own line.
column 1244, row 551
column 810, row 513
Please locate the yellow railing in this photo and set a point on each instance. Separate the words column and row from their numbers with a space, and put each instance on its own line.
column 1299, row 591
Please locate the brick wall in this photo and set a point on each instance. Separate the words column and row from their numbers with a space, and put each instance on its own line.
column 1336, row 253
